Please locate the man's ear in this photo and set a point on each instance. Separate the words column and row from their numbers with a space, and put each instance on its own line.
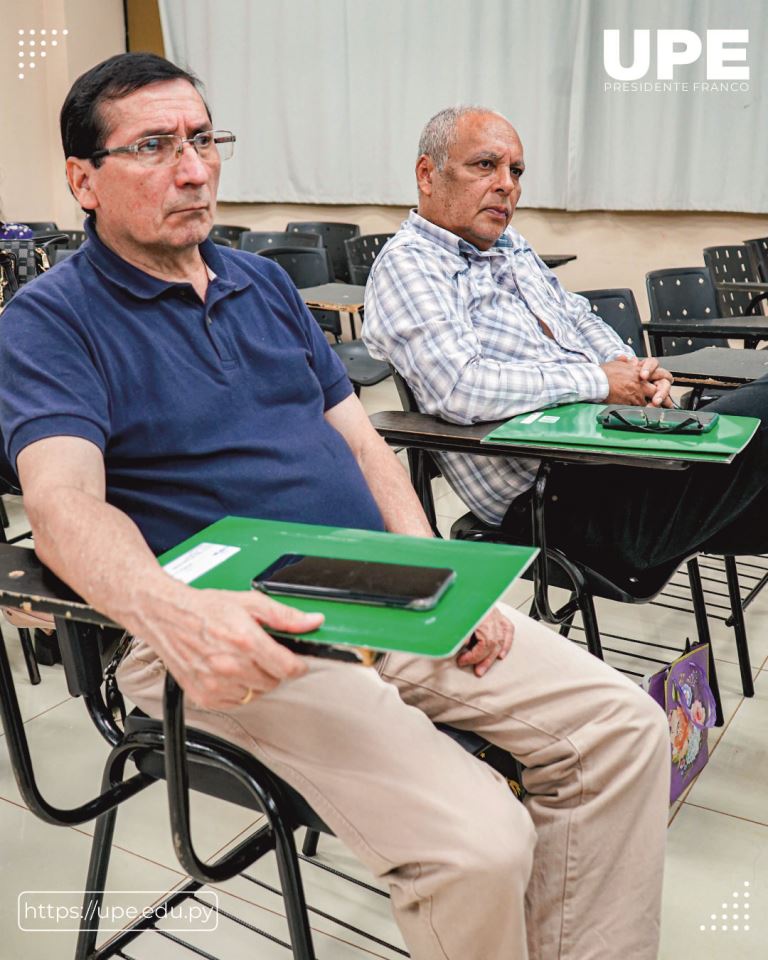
column 79, row 177
column 425, row 171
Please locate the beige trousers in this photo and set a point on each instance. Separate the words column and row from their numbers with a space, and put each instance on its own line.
column 575, row 873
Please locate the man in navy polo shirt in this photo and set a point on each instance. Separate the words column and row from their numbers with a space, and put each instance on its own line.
column 153, row 383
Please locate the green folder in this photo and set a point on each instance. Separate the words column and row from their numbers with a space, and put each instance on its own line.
column 228, row 554
column 574, row 426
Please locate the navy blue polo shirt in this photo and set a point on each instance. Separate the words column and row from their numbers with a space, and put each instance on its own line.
column 201, row 410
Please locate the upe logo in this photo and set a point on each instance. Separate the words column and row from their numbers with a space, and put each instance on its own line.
column 678, row 48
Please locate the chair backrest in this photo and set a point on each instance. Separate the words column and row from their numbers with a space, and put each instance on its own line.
column 727, row 264
column 681, row 292
column 758, row 249
column 254, row 241
column 75, row 238
column 363, row 250
column 359, row 273
column 225, row 231
column 333, row 235
column 618, row 308
column 306, row 267
column 41, row 228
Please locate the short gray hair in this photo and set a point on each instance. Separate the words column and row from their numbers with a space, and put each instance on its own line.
column 439, row 134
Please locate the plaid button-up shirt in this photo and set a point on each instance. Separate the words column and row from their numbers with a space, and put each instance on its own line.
column 464, row 328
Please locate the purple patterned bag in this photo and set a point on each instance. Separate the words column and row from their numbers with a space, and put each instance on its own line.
column 682, row 690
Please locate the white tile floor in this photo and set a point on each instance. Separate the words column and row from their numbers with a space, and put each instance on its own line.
column 717, row 865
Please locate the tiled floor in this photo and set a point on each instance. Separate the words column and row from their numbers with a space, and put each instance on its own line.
column 716, row 888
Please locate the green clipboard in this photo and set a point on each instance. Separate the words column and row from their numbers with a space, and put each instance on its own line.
column 573, row 426
column 229, row 553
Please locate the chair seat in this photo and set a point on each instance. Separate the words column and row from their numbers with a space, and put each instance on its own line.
column 215, row 781
column 361, row 366
column 637, row 587
column 218, row 783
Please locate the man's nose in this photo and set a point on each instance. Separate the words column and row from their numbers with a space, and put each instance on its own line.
column 191, row 168
column 505, row 182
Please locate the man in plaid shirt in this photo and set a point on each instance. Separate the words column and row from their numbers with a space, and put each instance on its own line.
column 478, row 326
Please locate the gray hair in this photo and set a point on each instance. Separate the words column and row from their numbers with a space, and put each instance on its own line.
column 439, row 134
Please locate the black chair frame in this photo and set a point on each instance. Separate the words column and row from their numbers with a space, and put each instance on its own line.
column 626, row 322
column 551, row 566
column 167, row 749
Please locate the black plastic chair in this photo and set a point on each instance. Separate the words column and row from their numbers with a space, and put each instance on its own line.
column 685, row 293
column 307, row 267
column 333, row 236
column 758, row 249
column 161, row 749
column 361, row 252
column 682, row 292
column 254, row 241
column 618, row 308
column 310, row 268
column 228, row 232
column 733, row 263
column 76, row 238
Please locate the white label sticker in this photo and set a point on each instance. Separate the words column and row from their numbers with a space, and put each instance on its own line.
column 549, row 419
column 531, row 418
column 199, row 560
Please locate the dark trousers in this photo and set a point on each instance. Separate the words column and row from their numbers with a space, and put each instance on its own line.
column 628, row 518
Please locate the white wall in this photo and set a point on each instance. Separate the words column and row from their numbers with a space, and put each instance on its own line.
column 32, row 182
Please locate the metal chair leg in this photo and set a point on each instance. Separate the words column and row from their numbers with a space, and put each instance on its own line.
column 565, row 626
column 739, row 627
column 309, row 847
column 702, row 628
column 29, row 656
column 98, row 865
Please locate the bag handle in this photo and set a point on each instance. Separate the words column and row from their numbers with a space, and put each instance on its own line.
column 707, row 700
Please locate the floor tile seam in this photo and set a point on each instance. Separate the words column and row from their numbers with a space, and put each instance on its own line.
column 133, row 853
column 277, row 913
column 239, row 834
column 79, row 829
column 726, row 726
column 724, row 813
column 48, row 710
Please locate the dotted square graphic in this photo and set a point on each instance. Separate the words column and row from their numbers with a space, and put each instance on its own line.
column 33, row 46
column 725, row 922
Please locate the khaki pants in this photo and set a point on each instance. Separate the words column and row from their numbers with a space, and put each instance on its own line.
column 474, row 874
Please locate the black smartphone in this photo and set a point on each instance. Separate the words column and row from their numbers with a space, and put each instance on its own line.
column 355, row 581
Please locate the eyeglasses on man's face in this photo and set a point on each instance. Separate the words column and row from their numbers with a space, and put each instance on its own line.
column 165, row 149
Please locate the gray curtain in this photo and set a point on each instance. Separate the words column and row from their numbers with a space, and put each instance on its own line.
column 328, row 97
